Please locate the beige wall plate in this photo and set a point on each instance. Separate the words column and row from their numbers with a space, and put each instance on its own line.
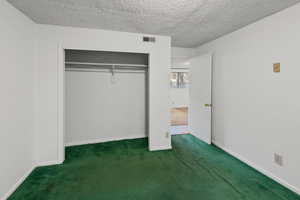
column 276, row 67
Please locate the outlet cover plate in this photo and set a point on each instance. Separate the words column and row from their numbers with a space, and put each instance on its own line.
column 278, row 159
column 276, row 67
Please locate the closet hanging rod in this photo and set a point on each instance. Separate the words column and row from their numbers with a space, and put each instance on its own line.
column 106, row 64
column 102, row 71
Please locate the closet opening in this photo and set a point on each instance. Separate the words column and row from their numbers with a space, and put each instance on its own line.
column 105, row 96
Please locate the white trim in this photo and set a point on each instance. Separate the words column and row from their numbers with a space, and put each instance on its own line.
column 61, row 103
column 17, row 184
column 160, row 148
column 48, row 163
column 61, row 99
column 258, row 168
column 95, row 141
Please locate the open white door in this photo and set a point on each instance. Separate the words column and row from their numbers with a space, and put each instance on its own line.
column 200, row 97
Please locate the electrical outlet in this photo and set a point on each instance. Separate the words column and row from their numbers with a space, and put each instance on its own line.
column 278, row 159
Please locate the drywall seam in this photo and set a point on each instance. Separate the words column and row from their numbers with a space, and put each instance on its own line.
column 258, row 168
column 18, row 183
column 103, row 140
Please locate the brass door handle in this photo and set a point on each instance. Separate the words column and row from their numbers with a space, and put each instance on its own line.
column 208, row 105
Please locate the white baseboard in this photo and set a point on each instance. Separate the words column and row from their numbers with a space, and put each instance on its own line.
column 94, row 141
column 258, row 168
column 160, row 148
column 47, row 163
column 18, row 183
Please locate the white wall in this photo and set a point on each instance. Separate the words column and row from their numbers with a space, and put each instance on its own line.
column 99, row 109
column 17, row 97
column 180, row 56
column 256, row 112
column 179, row 97
column 50, row 37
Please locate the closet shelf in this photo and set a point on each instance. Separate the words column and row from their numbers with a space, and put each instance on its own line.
column 106, row 64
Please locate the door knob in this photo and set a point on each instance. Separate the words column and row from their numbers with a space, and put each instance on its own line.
column 207, row 105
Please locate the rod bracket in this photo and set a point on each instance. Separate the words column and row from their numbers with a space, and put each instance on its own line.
column 113, row 78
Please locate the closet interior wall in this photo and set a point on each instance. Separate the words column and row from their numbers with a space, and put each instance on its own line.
column 102, row 103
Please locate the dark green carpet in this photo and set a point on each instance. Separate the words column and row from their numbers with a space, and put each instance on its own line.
column 126, row 170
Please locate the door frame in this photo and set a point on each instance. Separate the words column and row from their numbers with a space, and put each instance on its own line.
column 61, row 91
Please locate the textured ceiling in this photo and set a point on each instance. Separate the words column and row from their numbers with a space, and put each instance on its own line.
column 189, row 22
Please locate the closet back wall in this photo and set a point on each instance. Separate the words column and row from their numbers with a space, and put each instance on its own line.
column 99, row 109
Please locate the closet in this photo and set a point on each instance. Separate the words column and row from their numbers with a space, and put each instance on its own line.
column 105, row 96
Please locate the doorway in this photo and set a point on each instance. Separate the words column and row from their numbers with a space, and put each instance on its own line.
column 179, row 86
column 191, row 98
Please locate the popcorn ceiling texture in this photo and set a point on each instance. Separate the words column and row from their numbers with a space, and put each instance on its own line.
column 189, row 22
